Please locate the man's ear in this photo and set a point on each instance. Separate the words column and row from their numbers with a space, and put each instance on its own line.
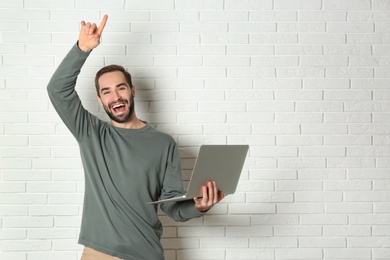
column 133, row 90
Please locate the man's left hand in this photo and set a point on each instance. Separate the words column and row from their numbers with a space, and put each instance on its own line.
column 210, row 196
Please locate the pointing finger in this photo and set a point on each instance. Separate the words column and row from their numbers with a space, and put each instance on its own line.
column 102, row 24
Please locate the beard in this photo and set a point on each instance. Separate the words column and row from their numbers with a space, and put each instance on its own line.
column 126, row 116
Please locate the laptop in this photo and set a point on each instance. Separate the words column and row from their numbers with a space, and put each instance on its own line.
column 220, row 163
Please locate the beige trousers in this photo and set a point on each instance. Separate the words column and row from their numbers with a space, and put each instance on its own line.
column 91, row 254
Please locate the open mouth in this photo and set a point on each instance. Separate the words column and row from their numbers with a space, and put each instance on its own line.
column 119, row 108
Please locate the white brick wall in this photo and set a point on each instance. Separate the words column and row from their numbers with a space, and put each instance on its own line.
column 303, row 82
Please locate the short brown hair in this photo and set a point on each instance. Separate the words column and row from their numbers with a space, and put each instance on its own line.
column 112, row 68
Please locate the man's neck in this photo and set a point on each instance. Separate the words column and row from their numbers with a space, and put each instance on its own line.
column 133, row 123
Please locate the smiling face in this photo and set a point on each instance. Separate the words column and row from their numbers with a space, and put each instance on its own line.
column 116, row 96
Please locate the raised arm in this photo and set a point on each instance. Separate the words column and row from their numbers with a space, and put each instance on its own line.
column 90, row 34
column 61, row 87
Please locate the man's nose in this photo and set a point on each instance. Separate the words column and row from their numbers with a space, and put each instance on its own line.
column 116, row 95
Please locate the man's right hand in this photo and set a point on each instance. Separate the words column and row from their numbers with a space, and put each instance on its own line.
column 89, row 37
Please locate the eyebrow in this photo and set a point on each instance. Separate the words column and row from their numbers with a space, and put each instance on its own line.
column 116, row 86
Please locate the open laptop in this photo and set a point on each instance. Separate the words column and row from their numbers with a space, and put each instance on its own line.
column 220, row 163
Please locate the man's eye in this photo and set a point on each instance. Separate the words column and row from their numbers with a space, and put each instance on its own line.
column 106, row 93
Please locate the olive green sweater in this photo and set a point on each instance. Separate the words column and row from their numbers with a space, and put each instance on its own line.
column 124, row 169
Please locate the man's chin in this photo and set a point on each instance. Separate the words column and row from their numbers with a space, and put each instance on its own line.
column 120, row 119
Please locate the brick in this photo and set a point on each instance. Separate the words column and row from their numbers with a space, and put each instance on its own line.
column 253, row 140
column 378, row 38
column 347, row 253
column 31, row 245
column 249, row 95
column 337, row 129
column 13, row 211
column 277, row 83
column 321, row 174
column 24, row 222
column 199, row 5
column 301, row 208
column 52, row 255
column 351, row 162
column 12, row 38
column 248, row 5
column 318, row 196
column 347, row 231
column 51, row 233
column 299, row 118
column 347, row 5
column 150, row 5
column 186, row 15
column 300, row 49
column 224, row 242
column 12, row 234
column 273, row 242
column 47, row 4
column 202, row 72
column 153, row 27
column 51, row 187
column 274, row 61
column 347, row 185
column 250, row 50
column 199, row 254
column 365, row 242
column 299, row 141
column 12, row 26
column 249, row 254
column 322, row 242
column 269, row 38
column 54, row 211
column 316, row 151
column 348, row 50
column 381, row 253
column 251, row 27
column 302, row 27
column 300, row 72
column 115, row 4
column 224, row 38
column 323, row 106
column 369, row 219
column 222, row 107
column 350, row 27
column 322, row 38
column 275, row 197
column 322, row 15
column 349, row 208
column 347, row 118
column 230, row 220
column 280, row 129
column 299, row 253
column 273, row 16
column 367, row 196
column 381, row 5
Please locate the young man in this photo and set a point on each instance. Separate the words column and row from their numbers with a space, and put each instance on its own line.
column 127, row 162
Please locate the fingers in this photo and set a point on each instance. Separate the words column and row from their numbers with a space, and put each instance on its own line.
column 92, row 28
column 102, row 25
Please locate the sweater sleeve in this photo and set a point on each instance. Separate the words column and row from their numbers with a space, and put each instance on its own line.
column 173, row 186
column 63, row 96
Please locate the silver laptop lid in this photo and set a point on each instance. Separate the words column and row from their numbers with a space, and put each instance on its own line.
column 221, row 163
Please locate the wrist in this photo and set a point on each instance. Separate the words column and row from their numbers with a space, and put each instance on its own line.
column 83, row 48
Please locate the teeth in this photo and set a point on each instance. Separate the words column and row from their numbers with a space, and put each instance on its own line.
column 116, row 106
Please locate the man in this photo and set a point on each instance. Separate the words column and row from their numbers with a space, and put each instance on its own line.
column 127, row 162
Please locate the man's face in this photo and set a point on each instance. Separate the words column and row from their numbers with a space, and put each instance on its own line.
column 116, row 96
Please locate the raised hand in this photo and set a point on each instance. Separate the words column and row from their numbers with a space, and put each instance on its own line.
column 211, row 196
column 90, row 34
